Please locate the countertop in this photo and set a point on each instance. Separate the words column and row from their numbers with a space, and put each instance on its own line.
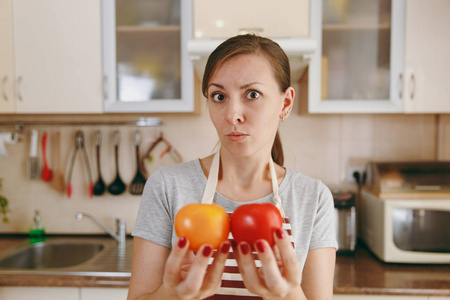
column 361, row 273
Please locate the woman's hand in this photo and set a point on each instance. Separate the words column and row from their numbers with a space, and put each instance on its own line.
column 187, row 275
column 279, row 274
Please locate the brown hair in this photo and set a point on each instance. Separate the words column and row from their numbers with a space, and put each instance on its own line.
column 252, row 44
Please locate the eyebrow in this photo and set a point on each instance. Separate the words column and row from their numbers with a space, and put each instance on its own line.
column 242, row 87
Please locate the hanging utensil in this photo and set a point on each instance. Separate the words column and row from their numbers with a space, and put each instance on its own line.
column 99, row 186
column 33, row 168
column 117, row 187
column 138, row 183
column 79, row 145
column 58, row 176
column 46, row 173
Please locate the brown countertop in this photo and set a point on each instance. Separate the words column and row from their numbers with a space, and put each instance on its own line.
column 361, row 273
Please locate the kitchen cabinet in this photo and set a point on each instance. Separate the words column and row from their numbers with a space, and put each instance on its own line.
column 6, row 58
column 39, row 293
column 103, row 293
column 56, row 63
column 427, row 57
column 358, row 67
column 377, row 297
column 146, row 63
column 266, row 18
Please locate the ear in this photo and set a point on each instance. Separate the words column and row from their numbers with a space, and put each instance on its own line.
column 288, row 103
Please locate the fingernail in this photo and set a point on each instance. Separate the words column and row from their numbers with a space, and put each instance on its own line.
column 207, row 251
column 182, row 242
column 280, row 233
column 225, row 247
column 244, row 248
column 261, row 246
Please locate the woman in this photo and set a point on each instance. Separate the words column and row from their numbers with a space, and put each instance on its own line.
column 247, row 86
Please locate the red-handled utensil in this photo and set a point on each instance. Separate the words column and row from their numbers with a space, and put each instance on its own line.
column 46, row 173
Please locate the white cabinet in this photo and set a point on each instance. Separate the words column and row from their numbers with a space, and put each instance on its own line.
column 55, row 65
column 273, row 19
column 377, row 297
column 39, row 293
column 7, row 96
column 358, row 67
column 104, row 293
column 146, row 63
column 427, row 58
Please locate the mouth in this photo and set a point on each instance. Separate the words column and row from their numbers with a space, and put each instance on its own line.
column 237, row 136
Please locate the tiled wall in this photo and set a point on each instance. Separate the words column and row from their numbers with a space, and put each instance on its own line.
column 321, row 146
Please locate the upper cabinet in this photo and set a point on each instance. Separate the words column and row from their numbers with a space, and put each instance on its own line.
column 274, row 19
column 427, row 57
column 146, row 63
column 50, row 58
column 359, row 64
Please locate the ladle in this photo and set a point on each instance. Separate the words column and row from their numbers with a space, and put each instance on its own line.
column 99, row 186
column 117, row 187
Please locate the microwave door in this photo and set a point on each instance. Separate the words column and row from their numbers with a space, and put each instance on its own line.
column 421, row 229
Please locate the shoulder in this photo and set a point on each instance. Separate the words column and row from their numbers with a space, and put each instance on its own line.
column 177, row 170
column 304, row 187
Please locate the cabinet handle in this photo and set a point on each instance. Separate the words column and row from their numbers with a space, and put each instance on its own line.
column 19, row 82
column 400, row 85
column 4, row 88
column 412, row 87
column 105, row 87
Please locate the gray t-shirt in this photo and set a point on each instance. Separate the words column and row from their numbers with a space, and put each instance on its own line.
column 307, row 202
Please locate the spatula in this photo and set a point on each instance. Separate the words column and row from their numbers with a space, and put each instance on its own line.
column 46, row 173
column 58, row 176
column 33, row 168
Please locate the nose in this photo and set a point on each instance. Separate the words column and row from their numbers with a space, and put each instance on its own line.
column 235, row 112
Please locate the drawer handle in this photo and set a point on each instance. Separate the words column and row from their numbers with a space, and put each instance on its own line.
column 4, row 88
column 400, row 86
column 412, row 87
column 19, row 82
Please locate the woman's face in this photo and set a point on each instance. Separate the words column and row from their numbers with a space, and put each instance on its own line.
column 245, row 104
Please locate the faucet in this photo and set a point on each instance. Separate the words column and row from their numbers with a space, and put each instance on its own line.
column 120, row 236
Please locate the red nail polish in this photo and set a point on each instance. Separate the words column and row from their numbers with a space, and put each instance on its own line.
column 261, row 246
column 207, row 251
column 182, row 242
column 244, row 248
column 280, row 233
column 225, row 248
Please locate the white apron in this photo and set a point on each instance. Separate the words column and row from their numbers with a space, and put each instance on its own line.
column 232, row 286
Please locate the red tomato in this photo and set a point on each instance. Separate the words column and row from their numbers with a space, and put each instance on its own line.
column 202, row 224
column 251, row 222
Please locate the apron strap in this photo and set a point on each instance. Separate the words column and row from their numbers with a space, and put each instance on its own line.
column 213, row 177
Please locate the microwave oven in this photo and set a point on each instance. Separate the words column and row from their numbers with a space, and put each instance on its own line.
column 405, row 212
column 406, row 230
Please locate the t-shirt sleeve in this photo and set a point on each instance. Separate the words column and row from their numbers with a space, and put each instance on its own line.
column 154, row 220
column 324, row 233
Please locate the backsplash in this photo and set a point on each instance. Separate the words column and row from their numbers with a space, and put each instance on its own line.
column 321, row 146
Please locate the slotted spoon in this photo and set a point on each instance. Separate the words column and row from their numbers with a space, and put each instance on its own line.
column 138, row 183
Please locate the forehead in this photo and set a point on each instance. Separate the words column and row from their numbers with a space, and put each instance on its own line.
column 243, row 66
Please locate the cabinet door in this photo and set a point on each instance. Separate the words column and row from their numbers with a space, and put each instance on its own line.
column 358, row 67
column 6, row 58
column 104, row 293
column 377, row 297
column 427, row 57
column 58, row 56
column 39, row 293
column 146, row 63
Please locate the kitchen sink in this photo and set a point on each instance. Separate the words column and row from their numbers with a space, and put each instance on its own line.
column 46, row 255
column 68, row 255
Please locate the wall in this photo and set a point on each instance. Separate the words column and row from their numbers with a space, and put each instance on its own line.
column 321, row 146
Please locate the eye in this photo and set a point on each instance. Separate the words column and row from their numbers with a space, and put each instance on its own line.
column 251, row 95
column 216, row 97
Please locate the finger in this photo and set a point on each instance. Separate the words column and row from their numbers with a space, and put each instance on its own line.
column 174, row 262
column 194, row 279
column 288, row 256
column 213, row 277
column 274, row 281
column 247, row 268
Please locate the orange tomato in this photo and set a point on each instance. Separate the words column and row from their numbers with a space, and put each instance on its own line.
column 202, row 224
